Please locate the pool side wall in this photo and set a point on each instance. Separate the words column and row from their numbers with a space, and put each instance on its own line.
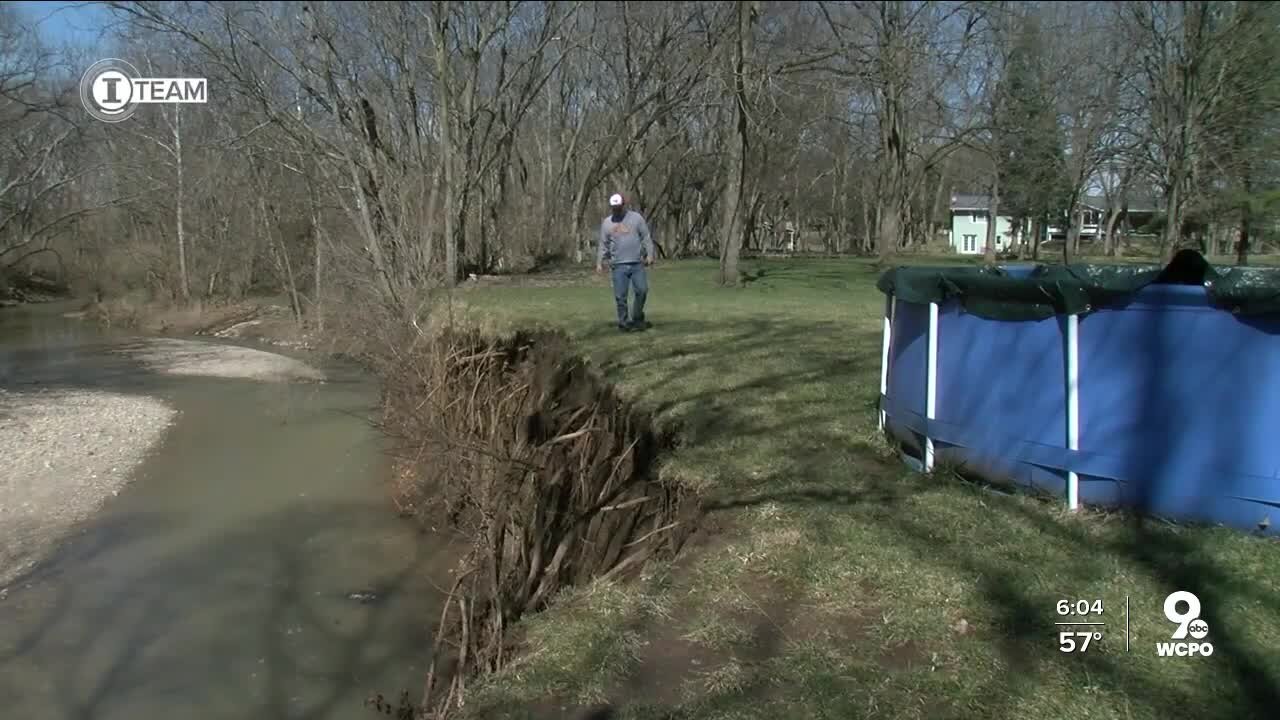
column 1179, row 404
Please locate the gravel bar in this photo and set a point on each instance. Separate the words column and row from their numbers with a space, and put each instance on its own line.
column 62, row 454
column 192, row 358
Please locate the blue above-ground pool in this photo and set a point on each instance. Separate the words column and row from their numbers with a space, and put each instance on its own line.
column 1176, row 405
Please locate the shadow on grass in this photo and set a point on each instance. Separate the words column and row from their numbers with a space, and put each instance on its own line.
column 756, row 362
column 1182, row 566
column 788, row 414
column 1239, row 682
column 799, row 274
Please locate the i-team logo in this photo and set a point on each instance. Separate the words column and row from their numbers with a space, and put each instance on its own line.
column 112, row 90
column 1189, row 624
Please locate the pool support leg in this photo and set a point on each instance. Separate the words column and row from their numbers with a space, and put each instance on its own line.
column 931, row 384
column 884, row 357
column 1073, row 406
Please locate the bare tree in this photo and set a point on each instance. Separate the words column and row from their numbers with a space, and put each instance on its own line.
column 1187, row 53
column 371, row 153
column 42, row 160
column 911, row 59
column 736, row 187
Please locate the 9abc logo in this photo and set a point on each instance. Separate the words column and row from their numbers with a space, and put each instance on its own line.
column 1189, row 624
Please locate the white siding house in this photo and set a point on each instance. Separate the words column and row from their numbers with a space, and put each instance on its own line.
column 1093, row 217
column 1091, row 212
column 970, row 215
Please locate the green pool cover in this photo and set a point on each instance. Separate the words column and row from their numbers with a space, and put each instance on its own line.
column 1041, row 291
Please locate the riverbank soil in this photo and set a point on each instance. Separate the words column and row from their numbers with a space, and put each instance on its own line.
column 532, row 455
column 17, row 288
column 265, row 320
column 839, row 583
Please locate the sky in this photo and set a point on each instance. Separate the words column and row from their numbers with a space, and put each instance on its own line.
column 59, row 23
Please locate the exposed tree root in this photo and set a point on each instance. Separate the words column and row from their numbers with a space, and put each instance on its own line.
column 533, row 456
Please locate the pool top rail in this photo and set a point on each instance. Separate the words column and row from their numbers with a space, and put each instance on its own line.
column 1037, row 291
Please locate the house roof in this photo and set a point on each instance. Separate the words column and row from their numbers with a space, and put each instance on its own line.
column 1137, row 203
column 964, row 201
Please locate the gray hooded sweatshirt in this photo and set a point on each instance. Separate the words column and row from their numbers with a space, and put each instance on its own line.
column 624, row 241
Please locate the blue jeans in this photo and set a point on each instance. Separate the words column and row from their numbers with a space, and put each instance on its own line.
column 630, row 275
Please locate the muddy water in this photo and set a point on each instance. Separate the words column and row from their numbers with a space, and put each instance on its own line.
column 253, row 569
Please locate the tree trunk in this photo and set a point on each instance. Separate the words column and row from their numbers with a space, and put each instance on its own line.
column 317, row 291
column 294, row 299
column 908, row 232
column 579, row 213
column 444, row 104
column 471, row 180
column 1078, row 225
column 890, row 225
column 797, row 238
column 842, row 210
column 1246, row 226
column 1073, row 233
column 221, row 244
column 486, row 205
column 867, row 231
column 750, row 222
column 1037, row 230
column 892, row 117
column 1173, row 222
column 428, row 250
column 735, row 188
column 893, row 213
column 871, row 248
column 372, row 238
column 271, row 227
column 931, row 222
column 993, row 223
column 686, row 243
column 731, row 241
column 1109, row 239
column 184, row 286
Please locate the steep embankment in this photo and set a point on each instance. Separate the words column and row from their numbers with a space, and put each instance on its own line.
column 536, row 460
column 17, row 288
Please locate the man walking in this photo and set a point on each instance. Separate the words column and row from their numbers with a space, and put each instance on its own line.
column 626, row 245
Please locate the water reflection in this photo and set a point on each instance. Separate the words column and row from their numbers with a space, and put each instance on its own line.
column 220, row 583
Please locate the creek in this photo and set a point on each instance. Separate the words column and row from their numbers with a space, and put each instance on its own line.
column 253, row 567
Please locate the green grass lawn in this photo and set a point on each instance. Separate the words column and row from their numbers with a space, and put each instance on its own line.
column 837, row 584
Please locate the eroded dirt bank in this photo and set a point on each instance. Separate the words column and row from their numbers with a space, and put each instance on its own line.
column 535, row 458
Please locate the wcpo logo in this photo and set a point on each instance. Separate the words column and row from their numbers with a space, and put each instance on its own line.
column 112, row 90
column 1189, row 623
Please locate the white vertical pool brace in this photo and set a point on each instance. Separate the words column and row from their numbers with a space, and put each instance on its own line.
column 931, row 384
column 1073, row 406
column 884, row 357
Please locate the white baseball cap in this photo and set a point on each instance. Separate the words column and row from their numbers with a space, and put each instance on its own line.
column 615, row 200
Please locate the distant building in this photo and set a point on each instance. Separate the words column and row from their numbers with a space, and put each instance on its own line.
column 1093, row 217
column 970, row 215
